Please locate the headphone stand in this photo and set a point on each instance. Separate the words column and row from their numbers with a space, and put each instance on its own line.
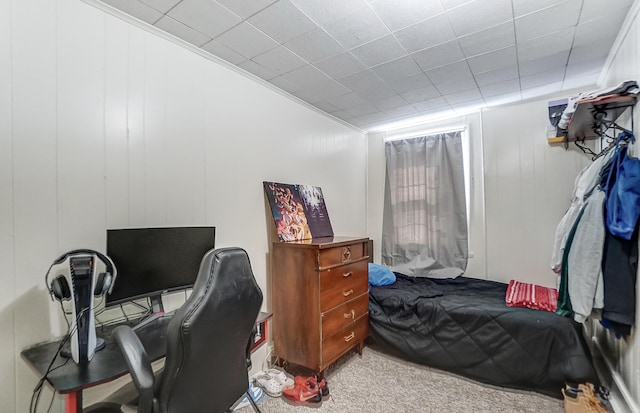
column 66, row 349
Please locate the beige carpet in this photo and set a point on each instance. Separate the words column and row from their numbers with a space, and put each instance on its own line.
column 376, row 382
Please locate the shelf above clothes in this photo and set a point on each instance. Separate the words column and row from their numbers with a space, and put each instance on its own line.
column 590, row 114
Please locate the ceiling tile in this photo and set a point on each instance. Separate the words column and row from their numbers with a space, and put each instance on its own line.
column 307, row 76
column 417, row 81
column 588, row 80
column 454, row 71
column 465, row 96
column 494, row 60
column 496, row 76
column 357, row 28
column 522, row 7
column 438, row 103
column 538, row 91
column 397, row 14
column 613, row 10
column 548, row 20
column 546, row 45
column 340, row 66
column 503, row 99
column 554, row 61
column 597, row 49
column 284, row 84
column 361, row 81
column 376, row 92
column 478, row 15
column 542, row 78
column 501, row 88
column 178, row 29
column 326, row 11
column 279, row 60
column 597, row 30
column 137, row 9
column 493, row 38
column 204, row 16
column 325, row 106
column 247, row 40
column 390, row 103
column 364, row 109
column 245, row 8
column 379, row 51
column 271, row 21
column 348, row 100
column 401, row 111
column 419, row 95
column 455, row 86
column 590, row 66
column 467, row 106
column 397, row 69
column 315, row 45
column 260, row 71
column 162, row 6
column 440, row 55
column 450, row 4
column 322, row 91
column 223, row 52
column 425, row 34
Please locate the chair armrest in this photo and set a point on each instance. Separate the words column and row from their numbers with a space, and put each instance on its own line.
column 139, row 366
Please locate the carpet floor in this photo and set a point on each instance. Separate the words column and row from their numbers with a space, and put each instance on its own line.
column 376, row 382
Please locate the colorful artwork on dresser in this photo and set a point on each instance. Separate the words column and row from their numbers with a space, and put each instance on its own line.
column 299, row 211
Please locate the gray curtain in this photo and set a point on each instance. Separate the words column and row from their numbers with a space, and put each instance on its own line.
column 425, row 219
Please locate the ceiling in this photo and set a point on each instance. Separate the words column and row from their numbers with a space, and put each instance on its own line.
column 375, row 62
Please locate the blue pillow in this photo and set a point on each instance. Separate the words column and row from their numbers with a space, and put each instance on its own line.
column 380, row 275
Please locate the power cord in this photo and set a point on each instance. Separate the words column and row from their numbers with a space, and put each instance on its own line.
column 37, row 391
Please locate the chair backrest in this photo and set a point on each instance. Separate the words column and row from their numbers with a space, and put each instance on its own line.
column 206, row 366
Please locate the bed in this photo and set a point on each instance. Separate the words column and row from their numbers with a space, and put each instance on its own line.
column 462, row 325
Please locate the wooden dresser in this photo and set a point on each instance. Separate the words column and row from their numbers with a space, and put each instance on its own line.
column 320, row 296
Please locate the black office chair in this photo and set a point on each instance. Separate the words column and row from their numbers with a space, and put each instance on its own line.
column 207, row 342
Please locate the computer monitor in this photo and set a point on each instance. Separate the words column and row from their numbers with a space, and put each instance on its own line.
column 152, row 261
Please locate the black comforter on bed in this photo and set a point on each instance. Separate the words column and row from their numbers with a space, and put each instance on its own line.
column 462, row 325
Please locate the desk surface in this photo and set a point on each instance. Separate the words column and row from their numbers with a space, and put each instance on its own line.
column 107, row 364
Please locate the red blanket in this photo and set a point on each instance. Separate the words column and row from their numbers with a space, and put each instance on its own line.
column 533, row 296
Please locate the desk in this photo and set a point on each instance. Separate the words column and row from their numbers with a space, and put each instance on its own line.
column 107, row 364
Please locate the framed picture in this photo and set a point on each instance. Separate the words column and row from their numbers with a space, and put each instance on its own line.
column 299, row 211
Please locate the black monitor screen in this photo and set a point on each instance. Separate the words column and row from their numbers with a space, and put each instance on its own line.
column 151, row 261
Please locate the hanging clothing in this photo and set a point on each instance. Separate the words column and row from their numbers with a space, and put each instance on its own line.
column 619, row 269
column 564, row 301
column 585, row 182
column 584, row 270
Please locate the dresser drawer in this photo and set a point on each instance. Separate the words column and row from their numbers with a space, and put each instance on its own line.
column 341, row 255
column 344, row 315
column 337, row 344
column 338, row 276
column 346, row 291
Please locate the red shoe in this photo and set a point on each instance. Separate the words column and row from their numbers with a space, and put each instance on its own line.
column 305, row 392
column 324, row 387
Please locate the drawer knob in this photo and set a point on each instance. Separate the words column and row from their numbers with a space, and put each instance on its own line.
column 347, row 293
column 346, row 253
column 350, row 337
column 347, row 274
column 351, row 314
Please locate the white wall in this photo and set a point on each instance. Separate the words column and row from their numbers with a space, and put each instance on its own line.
column 624, row 355
column 105, row 125
column 528, row 186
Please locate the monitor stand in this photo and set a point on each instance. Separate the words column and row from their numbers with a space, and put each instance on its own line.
column 157, row 310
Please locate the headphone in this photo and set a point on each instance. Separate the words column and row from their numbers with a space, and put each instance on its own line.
column 59, row 287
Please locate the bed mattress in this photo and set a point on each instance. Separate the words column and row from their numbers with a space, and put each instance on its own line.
column 462, row 325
